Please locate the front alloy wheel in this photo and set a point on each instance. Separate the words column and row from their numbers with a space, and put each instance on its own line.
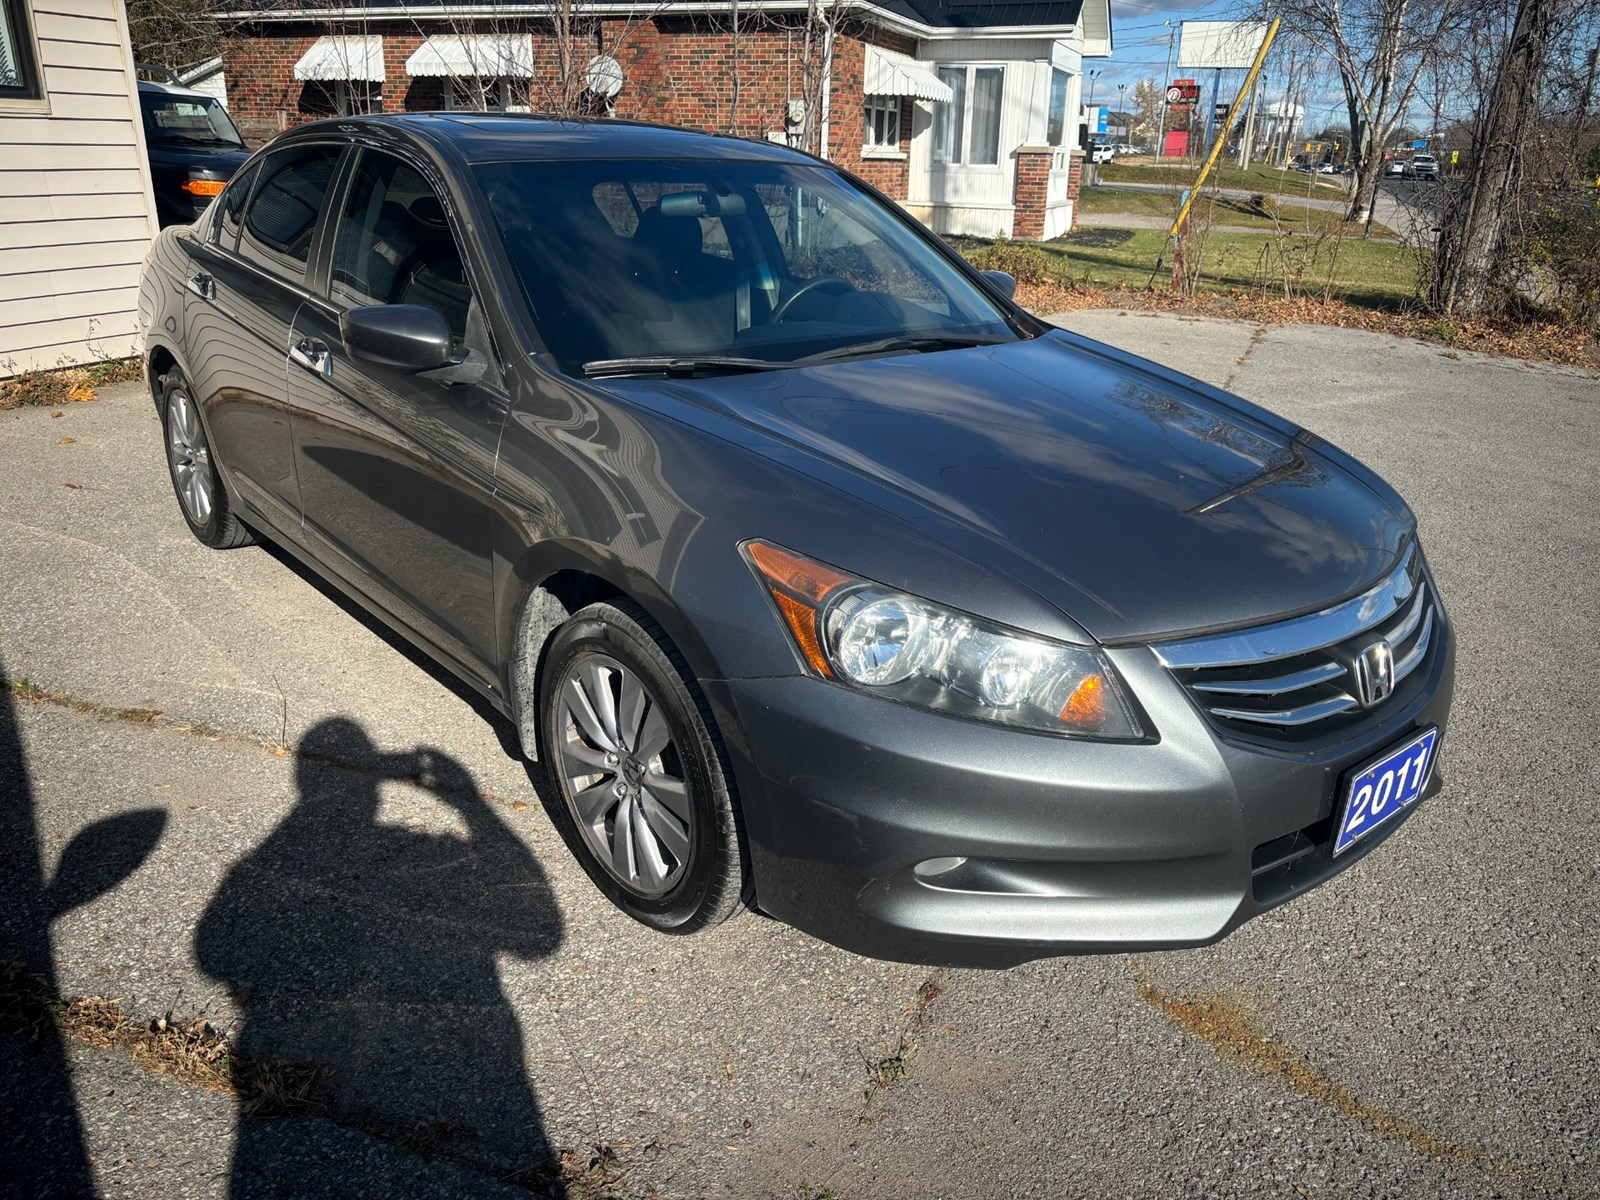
column 624, row 775
column 631, row 746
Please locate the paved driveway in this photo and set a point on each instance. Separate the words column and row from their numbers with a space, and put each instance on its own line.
column 1425, row 1025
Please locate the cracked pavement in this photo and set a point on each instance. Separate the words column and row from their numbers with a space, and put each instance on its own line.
column 393, row 904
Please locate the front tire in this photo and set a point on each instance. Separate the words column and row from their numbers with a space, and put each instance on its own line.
column 631, row 747
column 202, row 497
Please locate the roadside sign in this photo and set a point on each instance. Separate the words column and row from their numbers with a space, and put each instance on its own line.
column 1174, row 94
column 1420, row 144
column 1221, row 113
column 1183, row 91
column 1100, row 122
column 1455, row 157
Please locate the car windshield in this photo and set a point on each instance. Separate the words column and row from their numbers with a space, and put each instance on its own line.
column 188, row 120
column 756, row 263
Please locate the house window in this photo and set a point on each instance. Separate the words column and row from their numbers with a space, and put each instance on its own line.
column 19, row 72
column 967, row 128
column 1058, row 106
column 883, row 122
column 341, row 98
column 475, row 93
column 949, row 118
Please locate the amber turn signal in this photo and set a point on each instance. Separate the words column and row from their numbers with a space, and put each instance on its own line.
column 203, row 187
column 798, row 587
column 1086, row 707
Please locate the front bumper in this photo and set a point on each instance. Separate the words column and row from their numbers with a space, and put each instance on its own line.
column 1070, row 847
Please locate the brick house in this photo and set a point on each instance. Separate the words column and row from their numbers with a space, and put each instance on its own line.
column 967, row 112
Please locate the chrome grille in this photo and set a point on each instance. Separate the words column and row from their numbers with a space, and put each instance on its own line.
column 1299, row 678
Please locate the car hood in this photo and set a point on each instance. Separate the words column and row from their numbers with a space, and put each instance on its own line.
column 1135, row 502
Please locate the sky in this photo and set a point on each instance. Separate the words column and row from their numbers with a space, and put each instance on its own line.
column 1141, row 33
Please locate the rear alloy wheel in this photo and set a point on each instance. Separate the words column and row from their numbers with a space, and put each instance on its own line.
column 631, row 748
column 199, row 488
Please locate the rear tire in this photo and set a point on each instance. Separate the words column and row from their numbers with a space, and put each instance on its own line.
column 202, row 497
column 630, row 745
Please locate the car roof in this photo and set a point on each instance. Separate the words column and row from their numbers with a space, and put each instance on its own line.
column 508, row 137
column 170, row 89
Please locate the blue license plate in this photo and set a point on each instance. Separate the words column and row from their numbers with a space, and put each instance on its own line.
column 1381, row 791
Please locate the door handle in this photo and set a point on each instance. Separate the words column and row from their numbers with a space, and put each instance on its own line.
column 312, row 355
column 202, row 285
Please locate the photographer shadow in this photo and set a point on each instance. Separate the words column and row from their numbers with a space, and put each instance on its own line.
column 369, row 948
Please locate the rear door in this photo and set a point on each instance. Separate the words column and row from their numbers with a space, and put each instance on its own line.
column 396, row 470
column 247, row 285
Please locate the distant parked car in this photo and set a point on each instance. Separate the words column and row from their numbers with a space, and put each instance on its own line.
column 194, row 149
column 1422, row 166
column 1102, row 153
column 1397, row 166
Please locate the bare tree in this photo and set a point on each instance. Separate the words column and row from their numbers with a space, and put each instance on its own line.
column 1518, row 127
column 1381, row 48
column 172, row 33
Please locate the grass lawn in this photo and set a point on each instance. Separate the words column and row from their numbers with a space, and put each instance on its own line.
column 1375, row 274
column 1111, row 199
column 1258, row 177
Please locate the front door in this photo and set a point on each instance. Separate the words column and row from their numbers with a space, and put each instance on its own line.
column 396, row 470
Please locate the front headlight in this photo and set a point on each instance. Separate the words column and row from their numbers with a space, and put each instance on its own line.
column 912, row 650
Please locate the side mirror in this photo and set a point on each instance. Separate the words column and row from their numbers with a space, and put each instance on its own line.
column 401, row 337
column 1002, row 283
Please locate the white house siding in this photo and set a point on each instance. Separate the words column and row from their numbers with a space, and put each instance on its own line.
column 76, row 211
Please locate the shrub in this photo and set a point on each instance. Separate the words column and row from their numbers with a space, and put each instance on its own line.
column 1023, row 261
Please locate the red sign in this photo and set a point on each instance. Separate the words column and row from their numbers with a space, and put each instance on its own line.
column 1183, row 91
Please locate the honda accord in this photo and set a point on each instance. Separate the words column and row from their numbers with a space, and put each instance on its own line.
column 817, row 575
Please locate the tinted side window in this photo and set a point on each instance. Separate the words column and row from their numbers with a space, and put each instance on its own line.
column 238, row 191
column 282, row 216
column 393, row 244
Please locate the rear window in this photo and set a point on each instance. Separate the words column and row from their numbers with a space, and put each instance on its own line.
column 281, row 219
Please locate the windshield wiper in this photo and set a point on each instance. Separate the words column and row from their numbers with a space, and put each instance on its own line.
column 950, row 341
column 678, row 364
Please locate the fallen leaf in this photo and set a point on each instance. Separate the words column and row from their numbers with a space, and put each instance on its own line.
column 81, row 391
column 57, row 415
column 66, row 441
column 519, row 804
column 730, row 1070
column 77, row 487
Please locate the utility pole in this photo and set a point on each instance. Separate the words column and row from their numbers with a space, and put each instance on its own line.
column 1166, row 82
column 1247, row 144
column 1122, row 110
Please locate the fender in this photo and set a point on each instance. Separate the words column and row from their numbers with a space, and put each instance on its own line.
column 538, row 585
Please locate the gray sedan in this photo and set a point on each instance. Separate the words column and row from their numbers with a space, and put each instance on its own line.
column 818, row 576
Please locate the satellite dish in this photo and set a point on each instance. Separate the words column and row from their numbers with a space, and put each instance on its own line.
column 604, row 76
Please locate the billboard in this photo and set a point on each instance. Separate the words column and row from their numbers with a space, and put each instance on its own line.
column 1231, row 45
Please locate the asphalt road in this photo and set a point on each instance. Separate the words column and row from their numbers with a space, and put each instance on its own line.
column 1424, row 1025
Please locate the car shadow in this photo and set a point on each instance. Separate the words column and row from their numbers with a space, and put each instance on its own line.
column 362, row 935
column 41, row 1136
column 504, row 730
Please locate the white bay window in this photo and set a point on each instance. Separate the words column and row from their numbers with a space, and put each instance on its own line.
column 966, row 130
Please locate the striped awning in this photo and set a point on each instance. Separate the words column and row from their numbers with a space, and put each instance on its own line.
column 484, row 55
column 891, row 74
column 334, row 57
